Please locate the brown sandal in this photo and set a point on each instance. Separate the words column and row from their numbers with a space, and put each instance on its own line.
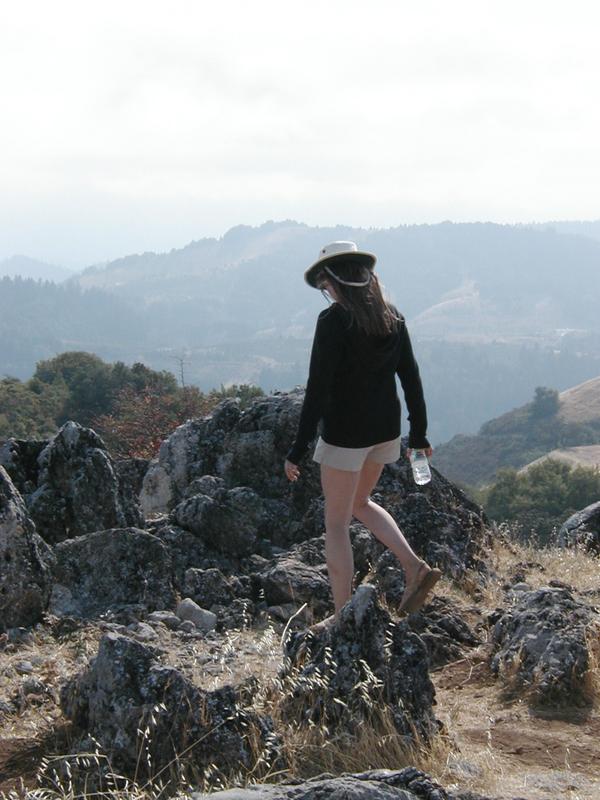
column 427, row 577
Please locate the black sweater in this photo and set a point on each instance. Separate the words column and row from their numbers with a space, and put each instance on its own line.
column 352, row 386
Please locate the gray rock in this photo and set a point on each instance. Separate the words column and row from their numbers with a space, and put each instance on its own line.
column 582, row 529
column 25, row 574
column 24, row 667
column 290, row 579
column 205, row 620
column 111, row 568
column 247, row 449
column 542, row 646
column 126, row 690
column 229, row 522
column 78, row 488
column 444, row 632
column 19, row 457
column 207, row 484
column 380, row 784
column 209, row 586
column 167, row 618
column 187, row 626
column 130, row 476
column 340, row 674
column 144, row 632
column 186, row 550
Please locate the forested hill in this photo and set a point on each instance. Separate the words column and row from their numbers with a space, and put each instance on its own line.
column 552, row 421
column 494, row 311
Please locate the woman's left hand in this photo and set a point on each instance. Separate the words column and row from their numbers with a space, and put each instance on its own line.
column 291, row 470
column 427, row 450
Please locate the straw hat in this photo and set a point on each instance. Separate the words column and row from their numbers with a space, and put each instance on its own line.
column 339, row 251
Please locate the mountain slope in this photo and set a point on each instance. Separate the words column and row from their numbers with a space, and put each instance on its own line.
column 522, row 437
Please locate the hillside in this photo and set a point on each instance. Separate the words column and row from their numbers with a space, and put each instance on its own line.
column 522, row 437
column 586, row 456
column 493, row 310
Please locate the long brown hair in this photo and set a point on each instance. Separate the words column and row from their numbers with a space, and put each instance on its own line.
column 366, row 304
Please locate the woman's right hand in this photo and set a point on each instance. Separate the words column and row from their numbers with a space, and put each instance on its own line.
column 291, row 470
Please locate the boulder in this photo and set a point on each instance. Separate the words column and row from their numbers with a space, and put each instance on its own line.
column 376, row 784
column 25, row 561
column 247, row 449
column 148, row 718
column 542, row 646
column 186, row 550
column 444, row 631
column 229, row 522
column 78, row 489
column 19, row 457
column 298, row 576
column 107, row 569
column 210, row 587
column 202, row 619
column 337, row 676
column 582, row 529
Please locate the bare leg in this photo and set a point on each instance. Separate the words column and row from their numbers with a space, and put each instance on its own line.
column 339, row 487
column 381, row 524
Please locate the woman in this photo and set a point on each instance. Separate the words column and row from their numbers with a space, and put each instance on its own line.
column 360, row 345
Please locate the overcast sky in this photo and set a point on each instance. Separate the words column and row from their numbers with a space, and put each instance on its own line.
column 130, row 126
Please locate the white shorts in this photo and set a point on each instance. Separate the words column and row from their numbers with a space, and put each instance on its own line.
column 352, row 459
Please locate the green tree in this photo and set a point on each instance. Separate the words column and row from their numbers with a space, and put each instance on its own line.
column 542, row 497
column 545, row 403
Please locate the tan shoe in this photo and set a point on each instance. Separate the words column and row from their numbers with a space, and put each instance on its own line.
column 323, row 625
column 426, row 579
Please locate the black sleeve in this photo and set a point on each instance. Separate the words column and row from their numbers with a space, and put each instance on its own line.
column 324, row 358
column 408, row 372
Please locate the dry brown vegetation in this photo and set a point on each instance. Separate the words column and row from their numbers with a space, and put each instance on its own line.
column 490, row 743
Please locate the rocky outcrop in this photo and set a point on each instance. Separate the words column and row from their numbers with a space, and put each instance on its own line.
column 231, row 521
column 19, row 457
column 443, row 630
column 71, row 485
column 25, row 561
column 377, row 784
column 582, row 529
column 246, row 449
column 109, row 569
column 149, row 718
column 543, row 646
column 339, row 675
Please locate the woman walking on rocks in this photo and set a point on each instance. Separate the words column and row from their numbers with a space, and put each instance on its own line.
column 361, row 343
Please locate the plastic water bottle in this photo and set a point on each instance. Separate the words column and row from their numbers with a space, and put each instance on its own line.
column 420, row 467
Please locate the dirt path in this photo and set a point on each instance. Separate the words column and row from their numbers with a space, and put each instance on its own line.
column 507, row 750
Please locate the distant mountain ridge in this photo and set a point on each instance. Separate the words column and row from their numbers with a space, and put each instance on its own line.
column 493, row 310
column 27, row 267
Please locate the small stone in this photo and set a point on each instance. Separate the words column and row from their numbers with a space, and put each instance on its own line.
column 24, row 667
column 203, row 619
column 170, row 620
column 33, row 686
column 187, row 626
column 145, row 632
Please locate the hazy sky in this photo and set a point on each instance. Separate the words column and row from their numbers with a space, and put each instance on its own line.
column 130, row 126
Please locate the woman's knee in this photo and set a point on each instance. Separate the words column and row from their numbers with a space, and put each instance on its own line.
column 360, row 505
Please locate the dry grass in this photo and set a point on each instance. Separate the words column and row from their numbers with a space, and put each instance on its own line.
column 470, row 753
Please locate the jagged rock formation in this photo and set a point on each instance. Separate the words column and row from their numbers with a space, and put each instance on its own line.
column 543, row 648
column 337, row 676
column 25, row 561
column 247, row 449
column 109, row 569
column 71, row 485
column 376, row 784
column 582, row 529
column 444, row 632
column 126, row 690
